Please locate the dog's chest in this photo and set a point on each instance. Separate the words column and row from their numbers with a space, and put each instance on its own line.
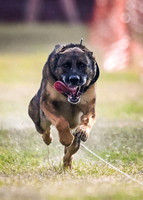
column 69, row 111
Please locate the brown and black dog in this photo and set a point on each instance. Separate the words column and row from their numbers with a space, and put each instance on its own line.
column 66, row 97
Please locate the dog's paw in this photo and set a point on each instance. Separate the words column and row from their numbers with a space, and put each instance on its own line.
column 47, row 138
column 81, row 133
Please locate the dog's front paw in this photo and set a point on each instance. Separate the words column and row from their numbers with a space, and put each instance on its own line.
column 47, row 138
column 81, row 133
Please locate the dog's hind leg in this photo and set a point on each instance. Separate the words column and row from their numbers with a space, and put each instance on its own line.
column 41, row 123
column 69, row 151
column 34, row 112
column 47, row 138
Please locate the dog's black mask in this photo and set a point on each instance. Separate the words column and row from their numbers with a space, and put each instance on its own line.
column 74, row 69
column 75, row 66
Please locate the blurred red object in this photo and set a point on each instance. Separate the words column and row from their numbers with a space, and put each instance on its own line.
column 112, row 28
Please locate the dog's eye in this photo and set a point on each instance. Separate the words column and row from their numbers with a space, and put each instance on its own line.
column 66, row 65
column 81, row 65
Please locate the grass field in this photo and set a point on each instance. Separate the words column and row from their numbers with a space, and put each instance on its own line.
column 31, row 170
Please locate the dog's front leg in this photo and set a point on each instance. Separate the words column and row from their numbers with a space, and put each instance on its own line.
column 87, row 121
column 69, row 151
column 81, row 133
column 59, row 122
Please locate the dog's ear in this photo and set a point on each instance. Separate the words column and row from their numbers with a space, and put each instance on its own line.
column 97, row 73
column 54, row 56
column 52, row 59
column 94, row 65
column 87, row 52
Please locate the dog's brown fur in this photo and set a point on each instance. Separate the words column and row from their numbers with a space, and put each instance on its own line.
column 49, row 106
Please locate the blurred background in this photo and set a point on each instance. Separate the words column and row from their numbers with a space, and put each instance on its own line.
column 30, row 29
column 115, row 27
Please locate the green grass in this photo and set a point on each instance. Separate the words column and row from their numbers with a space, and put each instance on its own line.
column 31, row 170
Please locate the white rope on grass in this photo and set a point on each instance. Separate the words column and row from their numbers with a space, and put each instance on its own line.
column 115, row 168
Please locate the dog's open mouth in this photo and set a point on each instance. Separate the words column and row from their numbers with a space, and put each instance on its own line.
column 73, row 93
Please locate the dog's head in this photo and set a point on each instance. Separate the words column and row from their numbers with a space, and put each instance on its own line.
column 74, row 69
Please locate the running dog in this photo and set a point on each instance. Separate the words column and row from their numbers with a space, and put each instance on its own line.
column 66, row 98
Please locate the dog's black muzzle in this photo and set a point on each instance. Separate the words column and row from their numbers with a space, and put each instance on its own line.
column 74, row 80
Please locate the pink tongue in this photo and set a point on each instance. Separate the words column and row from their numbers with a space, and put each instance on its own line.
column 62, row 88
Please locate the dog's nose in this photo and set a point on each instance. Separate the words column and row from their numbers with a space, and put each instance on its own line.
column 74, row 79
